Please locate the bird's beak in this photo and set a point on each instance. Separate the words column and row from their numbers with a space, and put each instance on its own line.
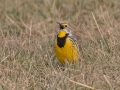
column 59, row 23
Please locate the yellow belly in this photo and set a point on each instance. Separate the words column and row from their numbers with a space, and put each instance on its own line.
column 67, row 53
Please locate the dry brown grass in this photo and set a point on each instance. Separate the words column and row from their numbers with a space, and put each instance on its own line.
column 27, row 32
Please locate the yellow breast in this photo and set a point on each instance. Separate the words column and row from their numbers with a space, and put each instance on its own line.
column 68, row 53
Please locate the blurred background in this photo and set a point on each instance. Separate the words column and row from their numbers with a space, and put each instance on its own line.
column 27, row 33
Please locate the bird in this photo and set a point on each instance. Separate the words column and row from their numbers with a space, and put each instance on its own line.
column 65, row 46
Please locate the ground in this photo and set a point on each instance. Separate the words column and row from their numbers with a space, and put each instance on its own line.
column 27, row 33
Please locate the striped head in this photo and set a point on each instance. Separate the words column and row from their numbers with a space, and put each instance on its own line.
column 63, row 25
column 64, row 30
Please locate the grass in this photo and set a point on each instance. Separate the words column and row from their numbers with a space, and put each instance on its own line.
column 27, row 32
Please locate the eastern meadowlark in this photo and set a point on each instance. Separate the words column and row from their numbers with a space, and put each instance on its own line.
column 65, row 46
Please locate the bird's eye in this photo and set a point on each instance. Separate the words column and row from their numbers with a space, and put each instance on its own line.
column 65, row 25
